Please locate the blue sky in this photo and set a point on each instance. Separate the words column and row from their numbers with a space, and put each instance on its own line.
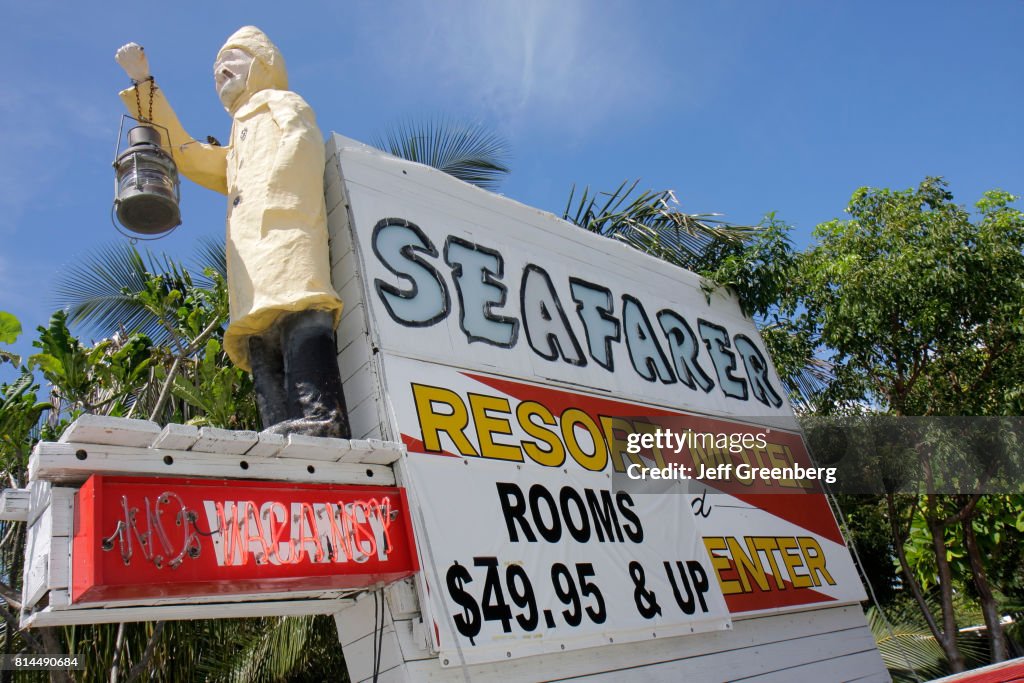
column 740, row 107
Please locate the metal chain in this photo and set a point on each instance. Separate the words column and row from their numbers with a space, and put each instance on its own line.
column 138, row 99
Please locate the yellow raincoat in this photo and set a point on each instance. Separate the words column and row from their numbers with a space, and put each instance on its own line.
column 272, row 173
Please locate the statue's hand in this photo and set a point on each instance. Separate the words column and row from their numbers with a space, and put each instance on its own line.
column 132, row 58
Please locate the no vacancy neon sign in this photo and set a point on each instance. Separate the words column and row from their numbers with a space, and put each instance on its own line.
column 152, row 537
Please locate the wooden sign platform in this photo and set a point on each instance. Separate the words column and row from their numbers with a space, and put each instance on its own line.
column 117, row 446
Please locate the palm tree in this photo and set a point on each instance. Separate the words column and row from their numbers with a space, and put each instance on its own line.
column 120, row 294
column 102, row 291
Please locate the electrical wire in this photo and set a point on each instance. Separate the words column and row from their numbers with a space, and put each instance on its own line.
column 376, row 627
column 380, row 631
column 379, row 621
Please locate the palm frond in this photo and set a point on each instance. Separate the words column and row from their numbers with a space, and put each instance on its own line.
column 275, row 649
column 99, row 291
column 907, row 646
column 650, row 222
column 806, row 385
column 209, row 253
column 909, row 650
column 469, row 153
column 92, row 290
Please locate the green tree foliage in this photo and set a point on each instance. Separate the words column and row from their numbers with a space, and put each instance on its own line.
column 189, row 378
column 917, row 304
column 270, row 649
column 109, row 290
column 759, row 270
column 10, row 330
column 19, row 408
column 920, row 303
column 912, row 306
column 998, row 524
column 868, row 531
column 103, row 378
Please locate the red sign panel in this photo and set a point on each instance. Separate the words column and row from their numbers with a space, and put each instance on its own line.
column 155, row 537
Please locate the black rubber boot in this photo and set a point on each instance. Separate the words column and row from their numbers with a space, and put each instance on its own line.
column 312, row 382
column 268, row 377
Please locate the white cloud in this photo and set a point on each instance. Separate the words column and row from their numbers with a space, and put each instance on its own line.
column 566, row 65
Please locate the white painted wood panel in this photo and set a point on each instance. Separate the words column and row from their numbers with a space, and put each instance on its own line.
column 58, row 570
column 359, row 654
column 779, row 660
column 48, row 545
column 352, row 327
column 280, row 608
column 61, row 462
column 177, row 437
column 755, row 648
column 365, row 418
column 268, row 445
column 114, row 431
column 39, row 498
column 332, row 186
column 358, row 376
column 380, row 452
column 361, row 385
column 350, row 289
column 62, row 510
column 821, row 645
column 846, row 668
column 224, row 441
column 59, row 598
column 315, row 448
column 412, row 640
column 200, row 601
column 343, row 267
column 37, row 559
column 356, row 350
column 351, row 365
column 403, row 638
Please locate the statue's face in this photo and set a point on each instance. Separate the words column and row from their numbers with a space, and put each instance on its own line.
column 230, row 73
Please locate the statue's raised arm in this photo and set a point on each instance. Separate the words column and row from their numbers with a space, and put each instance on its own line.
column 201, row 163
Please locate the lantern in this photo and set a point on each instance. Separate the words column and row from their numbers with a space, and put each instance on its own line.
column 146, row 186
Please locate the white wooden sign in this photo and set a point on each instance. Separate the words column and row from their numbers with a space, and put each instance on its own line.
column 512, row 353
